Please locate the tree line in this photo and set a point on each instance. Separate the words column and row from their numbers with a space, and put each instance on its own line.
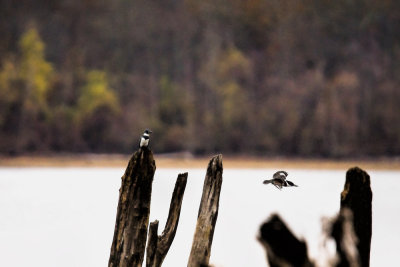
column 262, row 77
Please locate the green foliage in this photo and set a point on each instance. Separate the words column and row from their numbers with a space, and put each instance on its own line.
column 35, row 72
column 25, row 82
column 28, row 77
column 8, row 94
column 172, row 116
column 8, row 75
column 96, row 94
column 97, row 108
column 232, row 75
column 172, row 104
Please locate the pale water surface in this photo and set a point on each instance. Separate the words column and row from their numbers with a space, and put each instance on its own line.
column 66, row 216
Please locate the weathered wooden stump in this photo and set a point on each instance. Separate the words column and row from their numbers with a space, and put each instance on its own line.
column 208, row 213
column 133, row 211
column 158, row 246
column 342, row 232
column 357, row 196
column 282, row 247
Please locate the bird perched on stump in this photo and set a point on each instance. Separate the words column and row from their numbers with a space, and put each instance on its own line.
column 279, row 180
column 144, row 140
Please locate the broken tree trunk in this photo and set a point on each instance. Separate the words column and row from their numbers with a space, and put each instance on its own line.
column 282, row 247
column 133, row 211
column 208, row 213
column 346, row 240
column 357, row 196
column 158, row 246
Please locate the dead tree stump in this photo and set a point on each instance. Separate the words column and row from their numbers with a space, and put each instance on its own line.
column 342, row 231
column 133, row 211
column 207, row 216
column 158, row 246
column 282, row 247
column 357, row 196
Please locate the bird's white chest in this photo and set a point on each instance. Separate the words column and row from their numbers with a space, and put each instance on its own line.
column 144, row 142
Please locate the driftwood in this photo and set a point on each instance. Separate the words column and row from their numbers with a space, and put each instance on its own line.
column 357, row 196
column 158, row 246
column 133, row 211
column 207, row 216
column 282, row 247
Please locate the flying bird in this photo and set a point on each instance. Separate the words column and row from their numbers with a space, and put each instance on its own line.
column 144, row 140
column 279, row 180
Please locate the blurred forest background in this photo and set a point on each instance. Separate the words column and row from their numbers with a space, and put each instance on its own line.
column 255, row 77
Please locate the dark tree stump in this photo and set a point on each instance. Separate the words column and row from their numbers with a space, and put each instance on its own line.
column 208, row 213
column 158, row 246
column 282, row 247
column 357, row 196
column 133, row 211
column 346, row 240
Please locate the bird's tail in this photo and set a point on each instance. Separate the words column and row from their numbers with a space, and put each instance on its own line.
column 267, row 181
column 291, row 183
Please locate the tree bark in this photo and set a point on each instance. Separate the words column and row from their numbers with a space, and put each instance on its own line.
column 158, row 246
column 357, row 196
column 346, row 240
column 282, row 247
column 207, row 216
column 133, row 211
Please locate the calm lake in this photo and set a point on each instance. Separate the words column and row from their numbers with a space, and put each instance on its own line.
column 66, row 216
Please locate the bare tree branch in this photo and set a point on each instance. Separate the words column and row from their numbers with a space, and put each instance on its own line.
column 158, row 246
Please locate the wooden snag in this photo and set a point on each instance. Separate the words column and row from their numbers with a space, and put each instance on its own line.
column 341, row 230
column 133, row 211
column 282, row 247
column 158, row 246
column 208, row 213
column 357, row 196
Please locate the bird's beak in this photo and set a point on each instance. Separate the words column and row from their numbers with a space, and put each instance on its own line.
column 150, row 131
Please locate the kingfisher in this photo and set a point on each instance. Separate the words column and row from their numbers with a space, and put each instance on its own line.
column 144, row 140
column 279, row 180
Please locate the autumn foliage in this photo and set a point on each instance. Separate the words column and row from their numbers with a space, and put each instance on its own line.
column 318, row 78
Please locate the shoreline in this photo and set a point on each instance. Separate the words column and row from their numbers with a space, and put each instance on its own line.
column 162, row 161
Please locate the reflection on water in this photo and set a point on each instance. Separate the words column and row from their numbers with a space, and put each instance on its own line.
column 66, row 216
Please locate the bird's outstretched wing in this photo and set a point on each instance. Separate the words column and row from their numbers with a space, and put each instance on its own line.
column 280, row 175
column 279, row 180
column 291, row 183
